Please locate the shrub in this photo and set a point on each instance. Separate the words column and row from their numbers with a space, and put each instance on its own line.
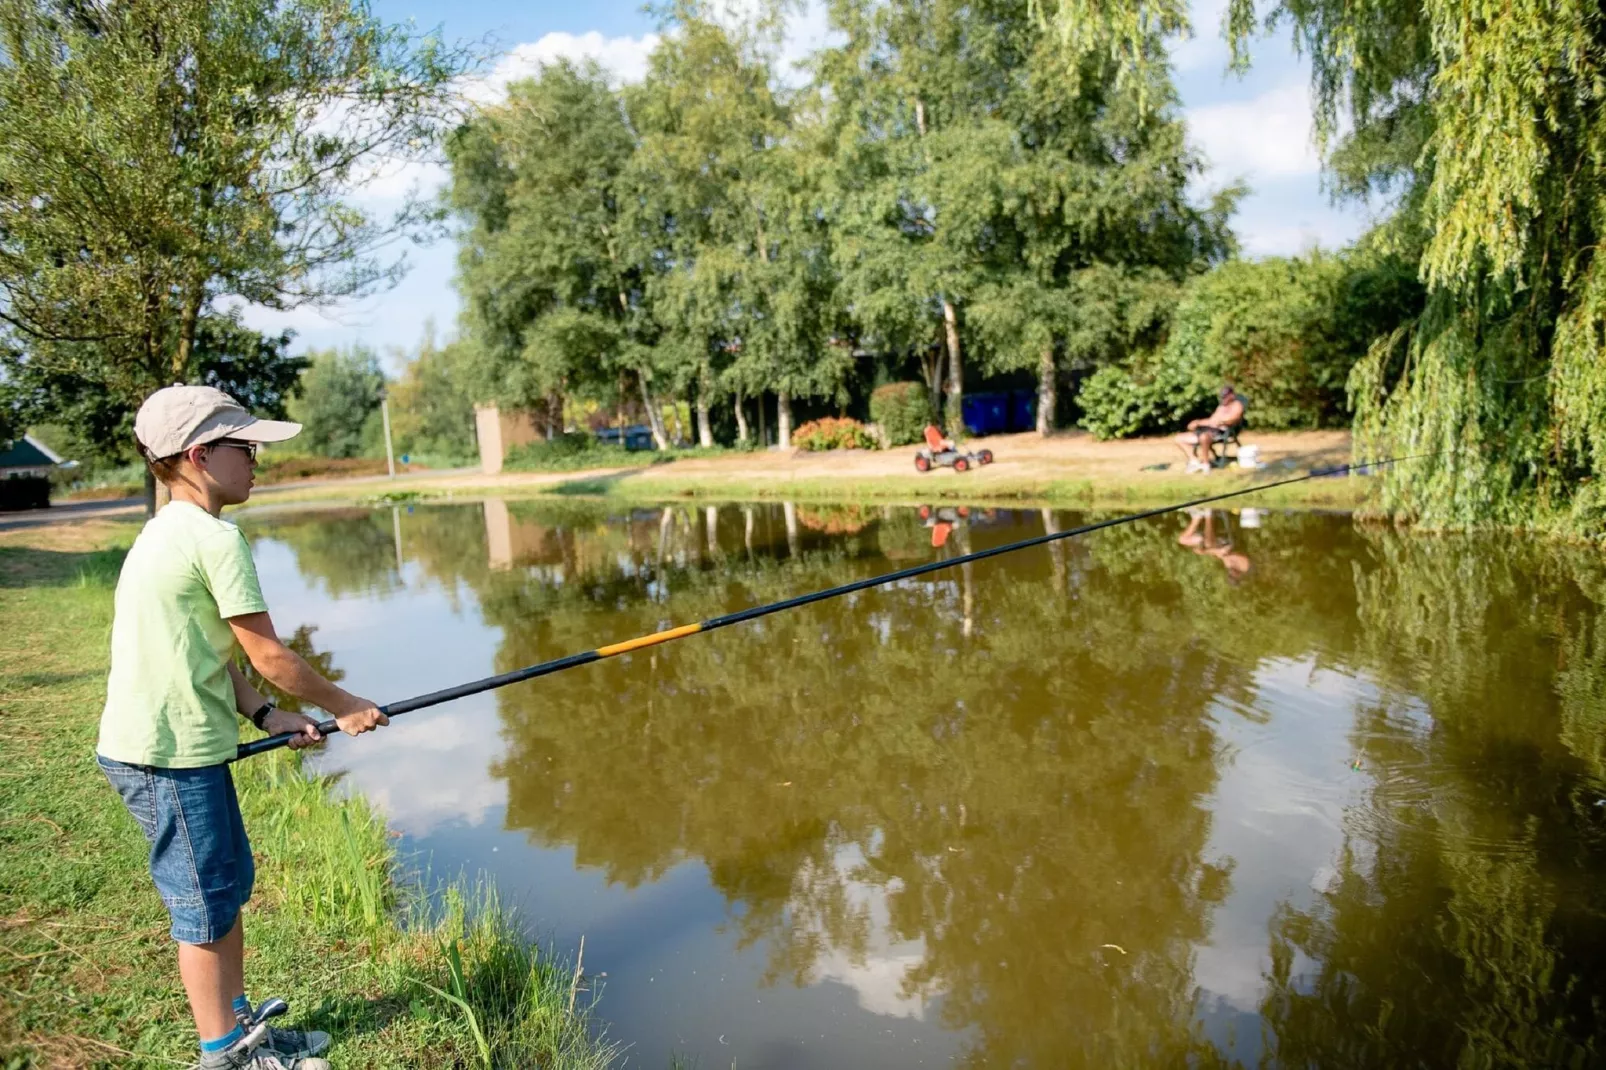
column 571, row 451
column 902, row 410
column 835, row 519
column 833, row 433
column 1284, row 331
column 1150, row 393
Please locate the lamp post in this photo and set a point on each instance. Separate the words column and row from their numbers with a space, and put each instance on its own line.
column 384, row 414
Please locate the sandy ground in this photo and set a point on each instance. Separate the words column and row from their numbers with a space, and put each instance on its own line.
column 1023, row 460
column 1069, row 455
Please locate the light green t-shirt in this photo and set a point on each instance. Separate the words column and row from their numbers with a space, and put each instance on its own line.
column 169, row 700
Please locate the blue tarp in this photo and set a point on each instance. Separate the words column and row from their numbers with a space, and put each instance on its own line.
column 1000, row 412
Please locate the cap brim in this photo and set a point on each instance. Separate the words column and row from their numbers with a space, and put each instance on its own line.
column 267, row 431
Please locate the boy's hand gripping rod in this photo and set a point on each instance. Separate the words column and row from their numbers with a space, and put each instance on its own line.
column 546, row 668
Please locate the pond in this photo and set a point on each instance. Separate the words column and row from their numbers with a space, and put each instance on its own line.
column 1235, row 788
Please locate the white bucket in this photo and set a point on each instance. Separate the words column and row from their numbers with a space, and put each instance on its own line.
column 1248, row 456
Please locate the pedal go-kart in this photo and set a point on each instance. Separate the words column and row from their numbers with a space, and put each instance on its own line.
column 938, row 452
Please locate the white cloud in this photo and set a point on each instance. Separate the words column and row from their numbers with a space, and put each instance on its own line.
column 1206, row 48
column 1268, row 136
column 625, row 58
column 879, row 962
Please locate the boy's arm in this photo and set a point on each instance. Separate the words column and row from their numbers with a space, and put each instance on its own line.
column 247, row 699
column 289, row 672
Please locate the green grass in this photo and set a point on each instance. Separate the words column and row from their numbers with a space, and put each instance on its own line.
column 577, row 451
column 87, row 973
column 1334, row 493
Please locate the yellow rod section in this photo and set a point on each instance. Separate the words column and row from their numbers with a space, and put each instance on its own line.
column 649, row 640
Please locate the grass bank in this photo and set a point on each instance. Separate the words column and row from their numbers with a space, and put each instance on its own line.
column 671, row 481
column 87, row 972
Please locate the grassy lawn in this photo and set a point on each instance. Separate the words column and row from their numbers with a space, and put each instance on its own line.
column 87, row 972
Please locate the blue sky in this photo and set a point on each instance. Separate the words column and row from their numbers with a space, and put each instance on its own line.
column 1255, row 128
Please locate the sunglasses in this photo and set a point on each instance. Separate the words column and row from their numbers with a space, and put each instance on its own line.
column 249, row 447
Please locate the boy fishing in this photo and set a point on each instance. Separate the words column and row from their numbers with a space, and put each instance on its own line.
column 187, row 597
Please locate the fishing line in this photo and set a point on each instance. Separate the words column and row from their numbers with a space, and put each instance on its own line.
column 547, row 668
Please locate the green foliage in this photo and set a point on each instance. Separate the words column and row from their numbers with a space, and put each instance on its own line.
column 159, row 158
column 72, row 863
column 94, row 426
column 1487, row 126
column 339, row 395
column 568, row 452
column 833, row 433
column 1285, row 331
column 902, row 411
column 1149, row 393
column 431, row 405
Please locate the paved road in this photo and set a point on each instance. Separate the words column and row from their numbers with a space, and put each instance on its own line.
column 121, row 507
column 68, row 511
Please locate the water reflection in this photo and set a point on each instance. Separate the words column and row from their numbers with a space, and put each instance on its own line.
column 1088, row 805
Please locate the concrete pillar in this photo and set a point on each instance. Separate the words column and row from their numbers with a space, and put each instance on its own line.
column 498, row 432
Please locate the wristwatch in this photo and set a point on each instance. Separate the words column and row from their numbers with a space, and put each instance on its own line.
column 262, row 714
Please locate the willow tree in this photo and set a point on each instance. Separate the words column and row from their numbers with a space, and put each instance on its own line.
column 158, row 160
column 1486, row 123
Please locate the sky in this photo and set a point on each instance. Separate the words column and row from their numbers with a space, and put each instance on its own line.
column 1255, row 128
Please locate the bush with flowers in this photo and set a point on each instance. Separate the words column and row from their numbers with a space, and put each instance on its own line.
column 833, row 433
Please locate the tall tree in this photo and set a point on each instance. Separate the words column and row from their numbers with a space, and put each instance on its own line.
column 553, row 276
column 339, row 393
column 730, row 182
column 1092, row 220
column 157, row 158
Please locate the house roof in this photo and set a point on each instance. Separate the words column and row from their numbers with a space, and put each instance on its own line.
column 28, row 452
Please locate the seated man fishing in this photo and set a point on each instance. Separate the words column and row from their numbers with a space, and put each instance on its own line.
column 1198, row 441
column 187, row 598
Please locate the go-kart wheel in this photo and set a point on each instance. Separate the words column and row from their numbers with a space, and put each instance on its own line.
column 985, row 456
column 961, row 464
column 922, row 463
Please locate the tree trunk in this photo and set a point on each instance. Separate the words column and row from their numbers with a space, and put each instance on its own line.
column 186, row 334
column 967, row 586
column 1056, row 550
column 655, row 419
column 763, row 429
column 674, row 414
column 741, row 420
column 705, row 392
column 956, row 371
column 747, row 529
column 794, row 544
column 659, row 576
column 783, row 419
column 711, row 530
column 1045, row 391
column 931, row 368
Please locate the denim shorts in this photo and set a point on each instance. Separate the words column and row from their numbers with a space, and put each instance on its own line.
column 200, row 857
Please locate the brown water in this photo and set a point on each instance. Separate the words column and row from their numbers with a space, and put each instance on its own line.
column 1322, row 795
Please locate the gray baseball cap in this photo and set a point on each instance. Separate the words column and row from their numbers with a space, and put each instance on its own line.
column 177, row 417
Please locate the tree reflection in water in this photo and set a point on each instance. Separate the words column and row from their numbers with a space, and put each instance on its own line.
column 965, row 788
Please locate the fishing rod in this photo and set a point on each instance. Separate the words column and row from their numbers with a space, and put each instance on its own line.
column 641, row 642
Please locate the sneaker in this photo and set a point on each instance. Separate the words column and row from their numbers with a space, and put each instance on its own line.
column 260, row 1058
column 296, row 1043
column 287, row 1043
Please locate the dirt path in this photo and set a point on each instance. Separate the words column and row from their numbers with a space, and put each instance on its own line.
column 1026, row 466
